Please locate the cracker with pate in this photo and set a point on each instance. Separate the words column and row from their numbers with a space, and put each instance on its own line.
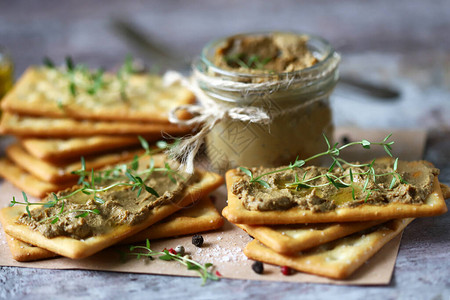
column 59, row 174
column 298, row 237
column 59, row 150
column 46, row 92
column 26, row 126
column 26, row 182
column 200, row 217
column 114, row 220
column 337, row 259
column 433, row 204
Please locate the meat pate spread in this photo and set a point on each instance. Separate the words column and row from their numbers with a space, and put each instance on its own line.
column 325, row 197
column 122, row 206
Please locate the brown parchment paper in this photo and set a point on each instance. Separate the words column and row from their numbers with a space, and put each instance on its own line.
column 224, row 247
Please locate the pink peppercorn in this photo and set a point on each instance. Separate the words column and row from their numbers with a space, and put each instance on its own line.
column 286, row 270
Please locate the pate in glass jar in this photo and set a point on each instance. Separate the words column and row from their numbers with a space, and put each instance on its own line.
column 286, row 76
column 264, row 98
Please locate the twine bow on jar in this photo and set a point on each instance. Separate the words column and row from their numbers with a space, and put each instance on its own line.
column 206, row 114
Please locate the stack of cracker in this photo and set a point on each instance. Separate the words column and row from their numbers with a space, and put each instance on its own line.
column 333, row 243
column 59, row 115
column 191, row 212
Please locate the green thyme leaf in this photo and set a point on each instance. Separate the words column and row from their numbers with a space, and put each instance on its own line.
column 246, row 171
column 135, row 163
column 192, row 267
column 131, row 177
column 263, row 183
column 365, row 144
column 303, row 186
column 327, row 141
column 99, row 200
column 387, row 150
column 298, row 163
column 387, row 137
column 393, row 181
column 144, row 144
column 82, row 215
column 69, row 64
column 151, row 191
column 48, row 63
column 395, row 164
column 332, row 166
column 367, row 196
column 28, row 211
column 161, row 144
column 166, row 257
column 336, row 184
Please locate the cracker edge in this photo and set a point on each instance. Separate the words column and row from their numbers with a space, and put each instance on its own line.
column 284, row 244
column 256, row 251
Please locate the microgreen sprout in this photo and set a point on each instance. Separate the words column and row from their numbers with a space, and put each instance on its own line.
column 203, row 270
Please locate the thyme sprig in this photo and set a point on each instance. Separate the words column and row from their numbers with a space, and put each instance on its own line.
column 94, row 80
column 337, row 181
column 123, row 75
column 95, row 182
column 203, row 270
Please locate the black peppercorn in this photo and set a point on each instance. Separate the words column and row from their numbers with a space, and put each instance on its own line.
column 258, row 267
column 197, row 240
column 345, row 140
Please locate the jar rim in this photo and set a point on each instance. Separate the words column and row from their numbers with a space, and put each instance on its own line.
column 328, row 55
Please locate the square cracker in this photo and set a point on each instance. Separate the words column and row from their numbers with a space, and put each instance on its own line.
column 75, row 249
column 202, row 216
column 237, row 213
column 62, row 174
column 27, row 182
column 42, row 92
column 298, row 237
column 26, row 126
column 337, row 259
column 57, row 150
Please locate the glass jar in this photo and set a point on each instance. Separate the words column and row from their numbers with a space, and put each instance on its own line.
column 6, row 72
column 296, row 102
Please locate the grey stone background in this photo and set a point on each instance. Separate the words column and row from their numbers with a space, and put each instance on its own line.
column 404, row 44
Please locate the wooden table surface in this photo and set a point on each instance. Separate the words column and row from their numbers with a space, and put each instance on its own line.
column 404, row 44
